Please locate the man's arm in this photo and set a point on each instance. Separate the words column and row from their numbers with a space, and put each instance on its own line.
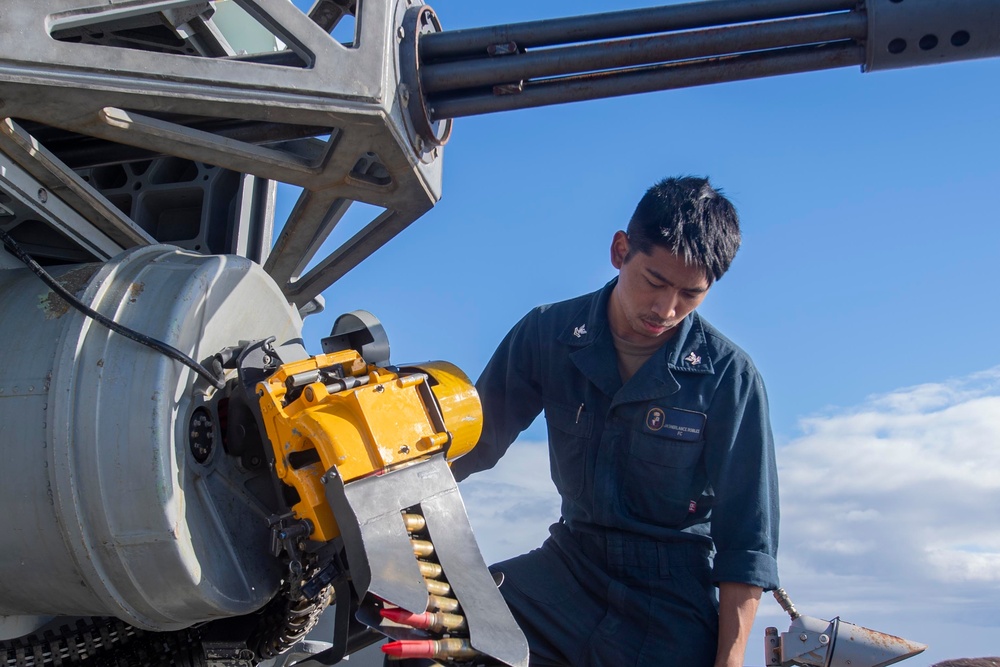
column 739, row 460
column 737, row 609
column 510, row 395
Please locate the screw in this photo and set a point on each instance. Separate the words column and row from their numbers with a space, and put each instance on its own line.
column 379, row 389
column 404, row 449
column 43, row 195
column 400, row 33
column 823, row 639
column 803, row 637
column 267, row 359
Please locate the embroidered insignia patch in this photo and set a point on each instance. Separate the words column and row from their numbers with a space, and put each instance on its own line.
column 580, row 330
column 693, row 359
column 654, row 419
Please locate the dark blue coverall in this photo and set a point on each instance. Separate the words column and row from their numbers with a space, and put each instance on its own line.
column 668, row 486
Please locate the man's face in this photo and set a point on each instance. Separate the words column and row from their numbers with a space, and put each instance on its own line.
column 655, row 291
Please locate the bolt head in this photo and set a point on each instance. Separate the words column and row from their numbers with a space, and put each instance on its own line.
column 803, row 637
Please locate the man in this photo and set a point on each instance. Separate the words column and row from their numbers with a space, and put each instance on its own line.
column 660, row 447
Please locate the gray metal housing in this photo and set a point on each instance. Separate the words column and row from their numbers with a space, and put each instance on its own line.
column 907, row 33
column 107, row 512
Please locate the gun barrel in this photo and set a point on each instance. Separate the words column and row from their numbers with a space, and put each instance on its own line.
column 575, row 29
column 539, row 63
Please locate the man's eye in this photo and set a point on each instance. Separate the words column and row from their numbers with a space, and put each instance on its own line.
column 652, row 284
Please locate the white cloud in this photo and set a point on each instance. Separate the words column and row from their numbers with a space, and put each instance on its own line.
column 890, row 515
column 512, row 505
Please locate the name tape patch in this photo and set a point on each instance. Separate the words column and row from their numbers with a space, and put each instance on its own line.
column 675, row 423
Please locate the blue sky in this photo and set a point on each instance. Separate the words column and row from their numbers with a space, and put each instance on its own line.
column 865, row 291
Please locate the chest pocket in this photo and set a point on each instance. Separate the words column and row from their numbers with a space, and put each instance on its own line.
column 658, row 474
column 569, row 436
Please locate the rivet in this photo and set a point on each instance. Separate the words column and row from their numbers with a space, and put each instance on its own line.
column 43, row 195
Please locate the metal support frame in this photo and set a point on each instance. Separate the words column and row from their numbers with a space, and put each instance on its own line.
column 359, row 145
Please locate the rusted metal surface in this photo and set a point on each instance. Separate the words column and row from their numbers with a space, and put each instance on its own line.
column 75, row 280
column 890, row 643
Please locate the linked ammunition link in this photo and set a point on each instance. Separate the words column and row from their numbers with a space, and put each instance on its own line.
column 101, row 642
column 110, row 642
column 285, row 621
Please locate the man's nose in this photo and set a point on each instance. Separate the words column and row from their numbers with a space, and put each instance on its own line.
column 665, row 305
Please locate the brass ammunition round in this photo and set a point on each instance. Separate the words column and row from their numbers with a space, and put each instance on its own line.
column 439, row 603
column 422, row 548
column 414, row 523
column 430, row 570
column 441, row 649
column 437, row 587
column 454, row 648
column 445, row 621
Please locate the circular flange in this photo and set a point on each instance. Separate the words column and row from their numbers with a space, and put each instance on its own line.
column 417, row 21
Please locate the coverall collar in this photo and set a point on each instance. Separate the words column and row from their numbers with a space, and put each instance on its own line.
column 590, row 333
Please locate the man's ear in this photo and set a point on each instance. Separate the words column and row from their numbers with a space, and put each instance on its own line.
column 619, row 249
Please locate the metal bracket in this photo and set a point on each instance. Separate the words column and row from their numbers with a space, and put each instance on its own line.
column 378, row 548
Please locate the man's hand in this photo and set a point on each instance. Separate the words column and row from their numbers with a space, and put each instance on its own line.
column 737, row 608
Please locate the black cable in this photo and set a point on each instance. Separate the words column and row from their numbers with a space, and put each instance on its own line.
column 119, row 329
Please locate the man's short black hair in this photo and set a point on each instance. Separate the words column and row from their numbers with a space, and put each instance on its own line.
column 691, row 219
